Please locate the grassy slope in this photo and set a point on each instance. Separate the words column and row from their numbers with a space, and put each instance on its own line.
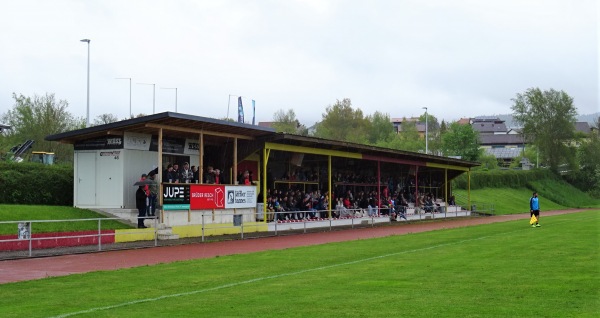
column 44, row 212
column 554, row 195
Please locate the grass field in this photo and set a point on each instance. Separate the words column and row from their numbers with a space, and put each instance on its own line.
column 496, row 270
column 16, row 212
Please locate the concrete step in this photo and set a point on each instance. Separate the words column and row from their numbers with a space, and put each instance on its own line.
column 152, row 223
column 165, row 231
column 168, row 237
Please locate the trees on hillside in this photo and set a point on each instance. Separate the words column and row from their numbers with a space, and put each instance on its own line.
column 105, row 119
column 37, row 117
column 342, row 122
column 461, row 140
column 548, row 120
column 286, row 122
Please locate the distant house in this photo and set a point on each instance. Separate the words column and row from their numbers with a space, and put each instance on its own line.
column 3, row 127
column 583, row 127
column 486, row 125
column 266, row 124
column 497, row 140
column 397, row 122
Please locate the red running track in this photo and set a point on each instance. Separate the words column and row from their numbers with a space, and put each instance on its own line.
column 36, row 268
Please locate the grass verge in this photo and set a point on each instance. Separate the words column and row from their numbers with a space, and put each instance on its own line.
column 15, row 212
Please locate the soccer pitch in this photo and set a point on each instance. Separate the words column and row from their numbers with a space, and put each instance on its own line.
column 504, row 270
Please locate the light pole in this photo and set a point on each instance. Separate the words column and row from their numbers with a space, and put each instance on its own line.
column 128, row 78
column 153, row 96
column 175, row 88
column 87, row 123
column 426, row 137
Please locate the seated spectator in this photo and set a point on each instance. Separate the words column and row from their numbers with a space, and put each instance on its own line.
column 372, row 208
column 452, row 201
column 428, row 205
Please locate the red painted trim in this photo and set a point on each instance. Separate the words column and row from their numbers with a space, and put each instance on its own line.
column 56, row 239
column 401, row 161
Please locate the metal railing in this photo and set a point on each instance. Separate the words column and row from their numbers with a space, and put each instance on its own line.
column 29, row 242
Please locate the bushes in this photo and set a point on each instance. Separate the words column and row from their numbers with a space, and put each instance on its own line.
column 502, row 178
column 34, row 183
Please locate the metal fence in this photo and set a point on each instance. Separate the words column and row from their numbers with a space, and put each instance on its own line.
column 29, row 242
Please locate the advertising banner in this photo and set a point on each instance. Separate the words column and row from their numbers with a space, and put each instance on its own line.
column 104, row 142
column 204, row 197
column 207, row 197
column 137, row 141
column 240, row 197
column 170, row 144
column 176, row 196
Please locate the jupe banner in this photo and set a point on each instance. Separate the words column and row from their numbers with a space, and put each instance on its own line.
column 208, row 197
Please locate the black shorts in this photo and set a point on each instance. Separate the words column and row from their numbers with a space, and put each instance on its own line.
column 536, row 213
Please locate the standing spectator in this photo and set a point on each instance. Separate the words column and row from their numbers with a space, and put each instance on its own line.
column 209, row 176
column 169, row 175
column 217, row 176
column 186, row 175
column 176, row 173
column 194, row 174
column 153, row 187
column 245, row 178
column 140, row 204
column 534, row 209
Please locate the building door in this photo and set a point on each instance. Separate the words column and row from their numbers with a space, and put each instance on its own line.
column 86, row 179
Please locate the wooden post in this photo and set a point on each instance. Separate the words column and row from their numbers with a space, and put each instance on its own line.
column 159, row 174
column 235, row 164
column 201, row 150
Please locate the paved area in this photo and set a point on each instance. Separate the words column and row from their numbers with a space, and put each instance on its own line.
column 36, row 268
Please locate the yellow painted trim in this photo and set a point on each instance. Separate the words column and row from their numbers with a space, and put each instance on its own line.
column 469, row 189
column 132, row 235
column 218, row 229
column 314, row 151
column 443, row 166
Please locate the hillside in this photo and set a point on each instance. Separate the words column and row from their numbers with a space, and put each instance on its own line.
column 553, row 194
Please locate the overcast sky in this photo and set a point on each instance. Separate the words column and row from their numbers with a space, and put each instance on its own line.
column 458, row 58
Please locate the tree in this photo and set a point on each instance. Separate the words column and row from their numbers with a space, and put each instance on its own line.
column 286, row 122
column 407, row 139
column 548, row 120
column 487, row 161
column 342, row 122
column 105, row 119
column 587, row 156
column 380, row 128
column 461, row 140
column 40, row 116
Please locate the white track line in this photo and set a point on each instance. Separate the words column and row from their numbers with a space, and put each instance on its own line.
column 91, row 310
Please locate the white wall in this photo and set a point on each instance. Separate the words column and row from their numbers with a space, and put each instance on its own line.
column 136, row 162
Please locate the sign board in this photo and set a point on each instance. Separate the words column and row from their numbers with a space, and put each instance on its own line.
column 207, row 197
column 176, row 196
column 136, row 141
column 104, row 142
column 23, row 231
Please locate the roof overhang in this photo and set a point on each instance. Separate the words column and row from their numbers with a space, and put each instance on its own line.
column 173, row 124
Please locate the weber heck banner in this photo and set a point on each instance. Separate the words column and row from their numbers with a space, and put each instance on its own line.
column 222, row 197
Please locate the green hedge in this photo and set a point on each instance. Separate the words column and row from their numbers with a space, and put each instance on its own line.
column 34, row 183
column 502, row 178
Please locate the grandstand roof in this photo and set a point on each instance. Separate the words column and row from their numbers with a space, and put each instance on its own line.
column 189, row 126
